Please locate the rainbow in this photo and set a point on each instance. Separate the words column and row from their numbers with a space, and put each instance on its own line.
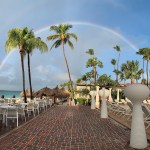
column 79, row 23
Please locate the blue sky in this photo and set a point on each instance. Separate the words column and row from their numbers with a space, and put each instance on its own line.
column 129, row 19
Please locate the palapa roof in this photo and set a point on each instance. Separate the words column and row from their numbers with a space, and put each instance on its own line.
column 44, row 91
column 56, row 92
column 27, row 93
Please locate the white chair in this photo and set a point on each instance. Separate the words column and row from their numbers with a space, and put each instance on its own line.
column 11, row 113
column 21, row 111
column 36, row 106
column 30, row 108
column 147, row 115
column 41, row 105
column 2, row 114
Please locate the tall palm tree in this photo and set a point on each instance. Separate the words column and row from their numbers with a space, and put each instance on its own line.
column 32, row 44
column 145, row 52
column 61, row 38
column 117, row 48
column 131, row 69
column 16, row 39
column 141, row 52
column 113, row 62
column 93, row 62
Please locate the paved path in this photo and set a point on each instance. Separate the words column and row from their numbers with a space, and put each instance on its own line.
column 67, row 128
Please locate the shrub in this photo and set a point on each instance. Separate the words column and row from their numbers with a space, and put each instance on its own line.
column 81, row 100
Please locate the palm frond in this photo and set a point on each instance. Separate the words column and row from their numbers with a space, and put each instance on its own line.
column 72, row 35
column 53, row 37
column 55, row 28
column 90, row 51
column 56, row 44
column 70, row 44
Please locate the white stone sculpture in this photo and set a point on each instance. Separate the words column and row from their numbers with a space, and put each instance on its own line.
column 137, row 93
column 93, row 94
column 104, row 93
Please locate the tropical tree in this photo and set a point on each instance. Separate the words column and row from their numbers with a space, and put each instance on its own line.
column 131, row 69
column 61, row 38
column 117, row 48
column 113, row 62
column 16, row 39
column 93, row 62
column 32, row 44
column 145, row 52
column 105, row 80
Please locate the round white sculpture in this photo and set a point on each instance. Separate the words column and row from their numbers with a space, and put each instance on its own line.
column 104, row 93
column 93, row 94
column 137, row 93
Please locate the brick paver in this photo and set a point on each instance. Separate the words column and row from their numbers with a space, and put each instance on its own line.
column 67, row 128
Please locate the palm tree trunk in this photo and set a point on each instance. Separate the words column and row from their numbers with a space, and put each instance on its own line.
column 94, row 69
column 143, row 69
column 23, row 77
column 147, row 72
column 29, row 74
column 67, row 69
column 132, row 80
column 117, row 67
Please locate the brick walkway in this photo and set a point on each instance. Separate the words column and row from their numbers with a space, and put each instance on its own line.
column 67, row 128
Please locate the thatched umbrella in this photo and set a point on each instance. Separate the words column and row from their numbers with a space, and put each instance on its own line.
column 27, row 93
column 60, row 93
column 44, row 92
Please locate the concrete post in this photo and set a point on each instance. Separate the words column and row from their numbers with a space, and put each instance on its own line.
column 137, row 93
column 110, row 98
column 104, row 94
column 93, row 94
column 97, row 97
column 118, row 95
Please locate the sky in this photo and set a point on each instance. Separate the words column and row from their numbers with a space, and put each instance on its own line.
column 99, row 24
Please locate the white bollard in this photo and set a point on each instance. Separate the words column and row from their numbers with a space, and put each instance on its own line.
column 97, row 97
column 93, row 94
column 110, row 97
column 137, row 93
column 104, row 94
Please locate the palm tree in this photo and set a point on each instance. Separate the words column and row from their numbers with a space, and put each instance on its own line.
column 145, row 52
column 113, row 62
column 16, row 39
column 141, row 52
column 62, row 37
column 31, row 44
column 117, row 48
column 93, row 62
column 131, row 69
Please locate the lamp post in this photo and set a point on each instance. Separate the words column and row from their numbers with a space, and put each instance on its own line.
column 93, row 94
column 137, row 93
column 104, row 94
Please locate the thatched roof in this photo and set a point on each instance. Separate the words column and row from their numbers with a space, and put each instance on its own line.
column 56, row 92
column 44, row 92
column 27, row 93
column 61, row 93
